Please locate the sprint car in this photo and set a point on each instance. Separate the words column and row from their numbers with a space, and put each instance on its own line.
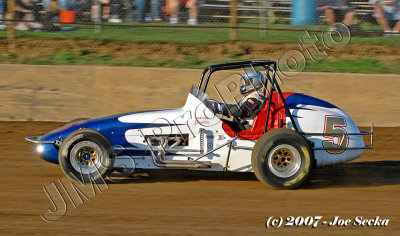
column 290, row 135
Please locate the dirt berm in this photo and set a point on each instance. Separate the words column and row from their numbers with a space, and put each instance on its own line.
column 63, row 93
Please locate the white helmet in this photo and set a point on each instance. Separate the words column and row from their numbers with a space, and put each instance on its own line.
column 251, row 80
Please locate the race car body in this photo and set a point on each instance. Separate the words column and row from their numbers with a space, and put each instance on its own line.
column 290, row 135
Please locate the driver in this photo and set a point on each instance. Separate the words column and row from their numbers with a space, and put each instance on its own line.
column 252, row 85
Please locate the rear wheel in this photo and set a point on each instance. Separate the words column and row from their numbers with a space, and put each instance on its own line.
column 282, row 158
column 86, row 156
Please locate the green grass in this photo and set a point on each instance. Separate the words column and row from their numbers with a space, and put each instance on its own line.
column 361, row 65
column 77, row 58
column 82, row 57
column 196, row 35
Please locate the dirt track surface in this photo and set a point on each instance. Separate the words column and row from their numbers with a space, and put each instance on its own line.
column 192, row 203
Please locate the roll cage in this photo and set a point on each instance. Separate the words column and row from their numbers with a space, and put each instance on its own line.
column 270, row 66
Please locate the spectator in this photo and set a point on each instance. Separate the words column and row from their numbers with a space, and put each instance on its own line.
column 105, row 6
column 141, row 6
column 130, row 4
column 52, row 13
column 23, row 11
column 80, row 7
column 62, row 4
column 387, row 14
column 115, row 10
column 2, row 8
column 337, row 10
column 173, row 11
column 65, row 4
column 155, row 10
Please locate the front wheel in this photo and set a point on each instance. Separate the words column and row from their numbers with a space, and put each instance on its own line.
column 282, row 159
column 86, row 156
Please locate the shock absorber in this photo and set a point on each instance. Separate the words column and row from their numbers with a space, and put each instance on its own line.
column 201, row 130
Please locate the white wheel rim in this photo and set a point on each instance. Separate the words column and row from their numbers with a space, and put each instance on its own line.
column 284, row 160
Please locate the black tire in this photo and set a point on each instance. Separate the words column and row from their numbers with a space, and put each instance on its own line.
column 82, row 144
column 282, row 158
column 77, row 120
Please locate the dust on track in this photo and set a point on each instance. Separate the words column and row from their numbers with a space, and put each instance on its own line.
column 192, row 202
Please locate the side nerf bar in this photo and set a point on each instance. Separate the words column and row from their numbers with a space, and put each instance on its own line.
column 371, row 132
column 35, row 139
